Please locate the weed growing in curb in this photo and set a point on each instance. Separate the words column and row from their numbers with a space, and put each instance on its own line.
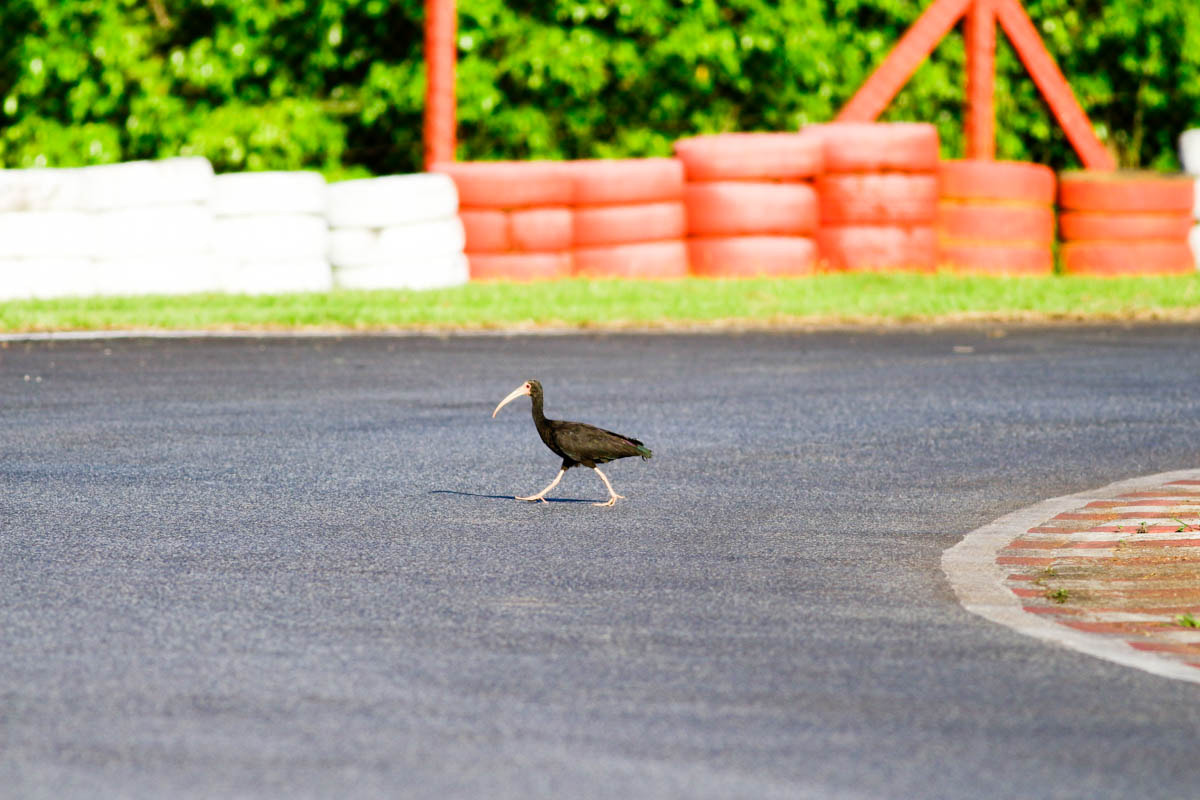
column 1048, row 572
column 1188, row 621
column 1058, row 595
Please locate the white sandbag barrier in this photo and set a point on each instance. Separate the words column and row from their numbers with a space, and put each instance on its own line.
column 168, row 231
column 1189, row 156
column 396, row 232
column 135, row 228
column 174, row 227
column 270, row 233
column 148, row 184
column 241, row 194
column 391, row 200
column 273, row 276
column 271, row 237
column 432, row 272
column 41, row 190
column 47, row 234
column 46, row 277
column 153, row 226
column 1189, row 151
column 360, row 247
column 155, row 274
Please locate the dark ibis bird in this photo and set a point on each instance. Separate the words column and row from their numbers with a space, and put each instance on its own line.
column 575, row 442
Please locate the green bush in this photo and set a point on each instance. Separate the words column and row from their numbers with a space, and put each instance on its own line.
column 338, row 85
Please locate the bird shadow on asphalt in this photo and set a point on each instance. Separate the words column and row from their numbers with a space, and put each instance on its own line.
column 509, row 497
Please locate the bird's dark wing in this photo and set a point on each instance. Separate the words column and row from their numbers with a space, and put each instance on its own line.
column 590, row 445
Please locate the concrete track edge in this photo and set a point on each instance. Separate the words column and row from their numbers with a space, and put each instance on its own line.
column 978, row 581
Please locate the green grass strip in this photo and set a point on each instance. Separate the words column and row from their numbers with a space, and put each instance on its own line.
column 826, row 299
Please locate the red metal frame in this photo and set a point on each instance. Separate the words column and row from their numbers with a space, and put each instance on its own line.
column 979, row 29
column 981, row 15
column 914, row 47
column 441, row 25
column 441, row 52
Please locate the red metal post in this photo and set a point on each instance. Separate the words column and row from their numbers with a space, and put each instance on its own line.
column 441, row 50
column 914, row 47
column 934, row 23
column 980, row 126
column 1053, row 86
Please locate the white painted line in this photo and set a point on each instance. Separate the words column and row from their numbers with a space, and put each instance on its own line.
column 510, row 332
column 1125, row 616
column 1149, row 506
column 1063, row 552
column 978, row 581
column 1130, row 535
column 302, row 333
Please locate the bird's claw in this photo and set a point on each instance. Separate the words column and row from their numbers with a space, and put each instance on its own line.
column 533, row 499
column 612, row 501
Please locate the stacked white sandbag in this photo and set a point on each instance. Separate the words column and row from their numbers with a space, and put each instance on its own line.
column 139, row 227
column 46, row 234
column 270, row 232
column 1189, row 154
column 396, row 232
column 152, row 226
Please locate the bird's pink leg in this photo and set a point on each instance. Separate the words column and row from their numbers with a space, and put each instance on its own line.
column 612, row 496
column 542, row 494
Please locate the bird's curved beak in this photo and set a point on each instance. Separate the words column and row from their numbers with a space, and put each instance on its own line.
column 520, row 391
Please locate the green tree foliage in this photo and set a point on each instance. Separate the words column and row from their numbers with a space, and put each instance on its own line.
column 338, row 85
column 285, row 84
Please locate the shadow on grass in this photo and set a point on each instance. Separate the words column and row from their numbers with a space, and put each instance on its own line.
column 509, row 497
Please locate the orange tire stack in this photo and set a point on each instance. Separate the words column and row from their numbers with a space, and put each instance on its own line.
column 517, row 218
column 751, row 205
column 878, row 196
column 996, row 218
column 628, row 218
column 1125, row 223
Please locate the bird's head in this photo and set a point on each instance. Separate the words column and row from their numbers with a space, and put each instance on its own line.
column 530, row 388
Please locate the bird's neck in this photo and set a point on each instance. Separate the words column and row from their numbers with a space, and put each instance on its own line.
column 538, row 415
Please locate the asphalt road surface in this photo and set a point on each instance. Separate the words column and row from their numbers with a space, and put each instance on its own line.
column 293, row 568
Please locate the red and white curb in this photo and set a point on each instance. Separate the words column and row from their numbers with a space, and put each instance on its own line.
column 1108, row 572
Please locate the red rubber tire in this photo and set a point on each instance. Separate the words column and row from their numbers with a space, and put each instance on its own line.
column 520, row 266
column 541, row 230
column 1007, row 181
column 1126, row 192
column 880, row 247
column 995, row 223
column 1127, row 258
column 642, row 260
column 626, row 180
column 643, row 222
column 997, row 259
column 888, row 199
column 486, row 229
column 733, row 208
column 752, row 256
column 1085, row 226
column 751, row 156
column 878, row 146
column 508, row 184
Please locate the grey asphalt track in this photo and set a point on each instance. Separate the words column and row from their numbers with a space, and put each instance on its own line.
column 291, row 568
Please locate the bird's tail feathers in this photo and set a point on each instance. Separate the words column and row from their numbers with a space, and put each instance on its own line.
column 644, row 452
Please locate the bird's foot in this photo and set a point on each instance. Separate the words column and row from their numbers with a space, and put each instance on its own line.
column 612, row 501
column 533, row 498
